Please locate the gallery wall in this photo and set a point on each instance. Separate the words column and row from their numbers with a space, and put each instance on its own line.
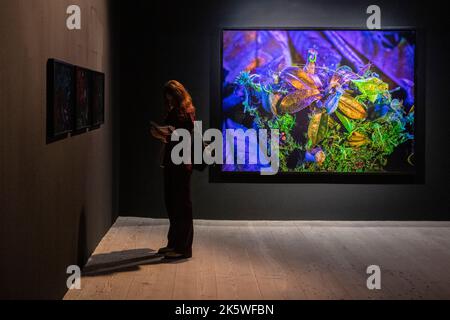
column 180, row 40
column 56, row 199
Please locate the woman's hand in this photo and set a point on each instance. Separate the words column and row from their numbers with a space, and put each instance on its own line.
column 161, row 133
column 157, row 135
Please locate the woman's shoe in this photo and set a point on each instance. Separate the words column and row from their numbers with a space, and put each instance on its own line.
column 165, row 250
column 172, row 255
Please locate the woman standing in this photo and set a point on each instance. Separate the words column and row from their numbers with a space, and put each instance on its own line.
column 177, row 178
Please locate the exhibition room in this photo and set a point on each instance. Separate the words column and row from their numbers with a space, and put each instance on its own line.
column 204, row 151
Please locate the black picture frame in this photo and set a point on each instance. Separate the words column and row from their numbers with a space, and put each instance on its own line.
column 60, row 99
column 97, row 99
column 82, row 112
column 216, row 175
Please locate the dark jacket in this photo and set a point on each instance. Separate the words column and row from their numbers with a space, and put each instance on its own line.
column 179, row 119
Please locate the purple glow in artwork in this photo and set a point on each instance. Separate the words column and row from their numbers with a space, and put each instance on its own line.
column 347, row 93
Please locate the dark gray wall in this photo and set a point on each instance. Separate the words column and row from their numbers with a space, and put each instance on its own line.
column 161, row 40
column 56, row 199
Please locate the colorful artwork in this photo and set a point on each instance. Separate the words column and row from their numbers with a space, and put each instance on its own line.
column 82, row 110
column 61, row 98
column 342, row 100
column 98, row 98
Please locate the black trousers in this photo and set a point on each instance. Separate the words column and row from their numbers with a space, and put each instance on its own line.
column 177, row 194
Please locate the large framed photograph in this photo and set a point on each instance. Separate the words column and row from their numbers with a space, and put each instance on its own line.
column 344, row 102
column 60, row 99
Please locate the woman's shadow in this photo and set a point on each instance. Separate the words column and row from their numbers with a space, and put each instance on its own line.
column 123, row 261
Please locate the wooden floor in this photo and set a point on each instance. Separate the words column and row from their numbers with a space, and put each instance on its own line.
column 272, row 260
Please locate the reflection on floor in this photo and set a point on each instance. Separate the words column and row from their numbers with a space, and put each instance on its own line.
column 272, row 260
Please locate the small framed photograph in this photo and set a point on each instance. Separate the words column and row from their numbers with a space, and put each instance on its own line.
column 83, row 99
column 60, row 99
column 97, row 99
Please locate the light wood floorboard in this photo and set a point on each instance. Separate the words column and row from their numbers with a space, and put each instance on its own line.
column 279, row 260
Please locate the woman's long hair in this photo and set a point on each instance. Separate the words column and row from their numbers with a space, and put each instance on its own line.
column 181, row 96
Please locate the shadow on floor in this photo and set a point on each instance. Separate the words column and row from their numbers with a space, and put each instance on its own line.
column 123, row 261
